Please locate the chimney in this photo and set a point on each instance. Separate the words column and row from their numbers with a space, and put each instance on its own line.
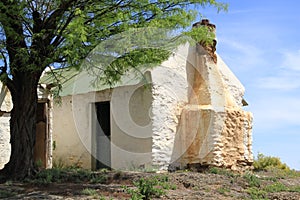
column 210, row 48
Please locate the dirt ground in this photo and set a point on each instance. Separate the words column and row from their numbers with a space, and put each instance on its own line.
column 212, row 185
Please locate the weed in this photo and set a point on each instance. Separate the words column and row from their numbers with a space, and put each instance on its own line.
column 223, row 190
column 98, row 178
column 195, row 188
column 256, row 193
column 221, row 171
column 214, row 170
column 163, row 181
column 295, row 189
column 150, row 187
column 8, row 183
column 60, row 164
column 90, row 192
column 6, row 194
column 276, row 187
column 39, row 163
column 118, row 175
column 252, row 179
column 281, row 174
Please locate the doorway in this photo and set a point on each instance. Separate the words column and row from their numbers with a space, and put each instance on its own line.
column 40, row 147
column 101, row 136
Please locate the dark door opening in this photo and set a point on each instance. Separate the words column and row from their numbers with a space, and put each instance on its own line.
column 40, row 148
column 102, row 134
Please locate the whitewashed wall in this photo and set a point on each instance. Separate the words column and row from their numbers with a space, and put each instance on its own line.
column 5, row 105
column 131, row 135
column 170, row 94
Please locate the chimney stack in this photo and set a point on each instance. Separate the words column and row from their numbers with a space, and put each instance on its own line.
column 209, row 47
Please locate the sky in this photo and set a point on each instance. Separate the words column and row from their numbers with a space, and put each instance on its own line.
column 260, row 41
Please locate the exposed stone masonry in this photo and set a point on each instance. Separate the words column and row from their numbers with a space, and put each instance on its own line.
column 210, row 48
column 214, row 130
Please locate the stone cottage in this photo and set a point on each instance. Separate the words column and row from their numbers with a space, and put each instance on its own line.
column 186, row 111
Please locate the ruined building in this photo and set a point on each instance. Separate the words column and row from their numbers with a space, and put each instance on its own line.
column 190, row 112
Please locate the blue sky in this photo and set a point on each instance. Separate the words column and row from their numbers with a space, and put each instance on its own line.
column 260, row 41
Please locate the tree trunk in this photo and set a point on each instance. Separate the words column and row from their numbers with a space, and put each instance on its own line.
column 22, row 129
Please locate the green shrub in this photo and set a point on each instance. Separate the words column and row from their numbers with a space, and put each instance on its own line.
column 223, row 190
column 276, row 187
column 252, row 180
column 256, row 193
column 99, row 178
column 150, row 187
column 59, row 175
column 268, row 162
column 222, row 171
column 90, row 192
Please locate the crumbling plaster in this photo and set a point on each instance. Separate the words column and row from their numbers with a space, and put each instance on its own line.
column 196, row 117
column 213, row 128
column 5, row 107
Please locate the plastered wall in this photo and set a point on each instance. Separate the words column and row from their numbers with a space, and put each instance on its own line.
column 6, row 106
column 131, row 135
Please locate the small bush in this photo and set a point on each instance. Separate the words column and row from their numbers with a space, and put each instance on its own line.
column 98, row 178
column 222, row 171
column 256, row 193
column 90, row 192
column 252, row 180
column 268, row 162
column 59, row 175
column 276, row 187
column 150, row 187
column 223, row 190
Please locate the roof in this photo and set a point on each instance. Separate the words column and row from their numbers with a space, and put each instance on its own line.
column 75, row 81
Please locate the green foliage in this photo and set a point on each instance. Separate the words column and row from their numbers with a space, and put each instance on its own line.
column 59, row 163
column 124, row 35
column 223, row 190
column 62, row 33
column 39, row 163
column 90, row 192
column 61, row 175
column 150, row 187
column 203, row 34
column 98, row 178
column 295, row 189
column 276, row 187
column 268, row 163
column 221, row 171
column 256, row 193
column 252, row 179
column 6, row 194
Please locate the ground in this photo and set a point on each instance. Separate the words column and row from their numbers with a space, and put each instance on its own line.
column 212, row 184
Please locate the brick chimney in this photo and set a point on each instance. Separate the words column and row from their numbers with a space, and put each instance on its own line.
column 210, row 48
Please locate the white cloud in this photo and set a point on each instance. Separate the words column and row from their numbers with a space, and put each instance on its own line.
column 243, row 56
column 291, row 60
column 284, row 81
column 287, row 76
column 272, row 111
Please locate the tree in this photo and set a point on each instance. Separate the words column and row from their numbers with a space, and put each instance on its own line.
column 37, row 34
